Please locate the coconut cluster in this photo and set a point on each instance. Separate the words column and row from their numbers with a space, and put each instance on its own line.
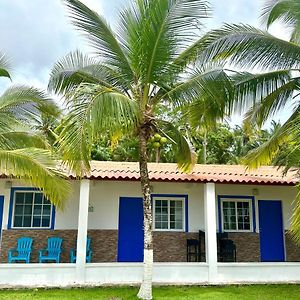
column 157, row 141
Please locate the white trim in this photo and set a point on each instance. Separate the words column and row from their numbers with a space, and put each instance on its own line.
column 236, row 200
column 83, row 214
column 14, row 205
column 166, row 198
column 210, row 214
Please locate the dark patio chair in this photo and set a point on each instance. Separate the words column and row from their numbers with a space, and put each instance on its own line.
column 201, row 245
column 227, row 250
column 192, row 250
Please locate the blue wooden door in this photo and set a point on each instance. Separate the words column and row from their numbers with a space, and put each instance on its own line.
column 131, row 233
column 271, row 231
column 1, row 212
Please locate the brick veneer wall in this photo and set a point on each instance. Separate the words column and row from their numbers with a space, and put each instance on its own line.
column 292, row 249
column 168, row 246
column 247, row 246
column 104, row 243
column 171, row 246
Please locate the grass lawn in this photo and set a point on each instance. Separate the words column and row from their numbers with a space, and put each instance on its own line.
column 225, row 292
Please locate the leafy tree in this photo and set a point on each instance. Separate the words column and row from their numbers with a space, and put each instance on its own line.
column 23, row 151
column 145, row 62
column 274, row 88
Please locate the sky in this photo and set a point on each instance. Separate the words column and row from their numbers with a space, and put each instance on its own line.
column 37, row 33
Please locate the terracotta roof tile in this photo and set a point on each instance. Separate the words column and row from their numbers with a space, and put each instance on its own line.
column 200, row 173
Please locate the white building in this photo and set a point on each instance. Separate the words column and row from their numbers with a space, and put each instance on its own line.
column 253, row 209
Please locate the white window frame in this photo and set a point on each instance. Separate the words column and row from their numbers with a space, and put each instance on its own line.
column 236, row 200
column 182, row 199
column 14, row 206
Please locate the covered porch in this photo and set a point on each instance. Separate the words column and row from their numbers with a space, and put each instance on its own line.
column 206, row 206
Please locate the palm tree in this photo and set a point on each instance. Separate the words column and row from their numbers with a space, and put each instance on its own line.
column 275, row 87
column 23, row 151
column 142, row 64
column 277, row 84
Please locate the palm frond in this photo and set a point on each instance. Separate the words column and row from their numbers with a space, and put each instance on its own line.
column 11, row 140
column 190, row 54
column 264, row 154
column 26, row 102
column 208, row 81
column 4, row 66
column 270, row 105
column 100, row 36
column 295, row 223
column 94, row 111
column 154, row 31
column 283, row 10
column 287, row 11
column 185, row 155
column 288, row 156
column 247, row 47
column 264, row 94
column 76, row 68
column 38, row 168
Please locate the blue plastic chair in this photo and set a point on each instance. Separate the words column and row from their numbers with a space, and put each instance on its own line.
column 22, row 252
column 53, row 250
column 88, row 252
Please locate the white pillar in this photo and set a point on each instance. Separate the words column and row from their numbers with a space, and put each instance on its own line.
column 82, row 229
column 210, row 231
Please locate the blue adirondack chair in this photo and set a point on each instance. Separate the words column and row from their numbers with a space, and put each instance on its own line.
column 88, row 252
column 53, row 250
column 22, row 252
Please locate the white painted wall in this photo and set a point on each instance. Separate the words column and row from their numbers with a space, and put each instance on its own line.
column 286, row 194
column 62, row 275
column 104, row 198
column 258, row 272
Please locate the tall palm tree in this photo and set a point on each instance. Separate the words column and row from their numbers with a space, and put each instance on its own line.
column 274, row 88
column 24, row 153
column 145, row 62
column 277, row 84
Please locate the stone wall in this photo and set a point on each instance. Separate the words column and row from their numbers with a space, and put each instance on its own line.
column 168, row 246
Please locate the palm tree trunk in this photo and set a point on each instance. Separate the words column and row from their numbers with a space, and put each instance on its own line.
column 205, row 147
column 145, row 291
column 157, row 159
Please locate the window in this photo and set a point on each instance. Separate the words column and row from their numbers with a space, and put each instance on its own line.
column 169, row 214
column 31, row 210
column 236, row 215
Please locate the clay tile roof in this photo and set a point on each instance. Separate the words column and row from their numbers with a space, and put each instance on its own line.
column 103, row 170
column 200, row 173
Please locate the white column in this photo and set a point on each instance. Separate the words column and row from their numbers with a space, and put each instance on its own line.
column 82, row 229
column 210, row 231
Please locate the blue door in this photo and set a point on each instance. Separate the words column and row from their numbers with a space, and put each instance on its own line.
column 131, row 233
column 1, row 212
column 271, row 231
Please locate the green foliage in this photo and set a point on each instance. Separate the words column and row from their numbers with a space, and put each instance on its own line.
column 25, row 153
column 225, row 145
column 4, row 66
column 140, row 68
column 287, row 11
column 273, row 89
